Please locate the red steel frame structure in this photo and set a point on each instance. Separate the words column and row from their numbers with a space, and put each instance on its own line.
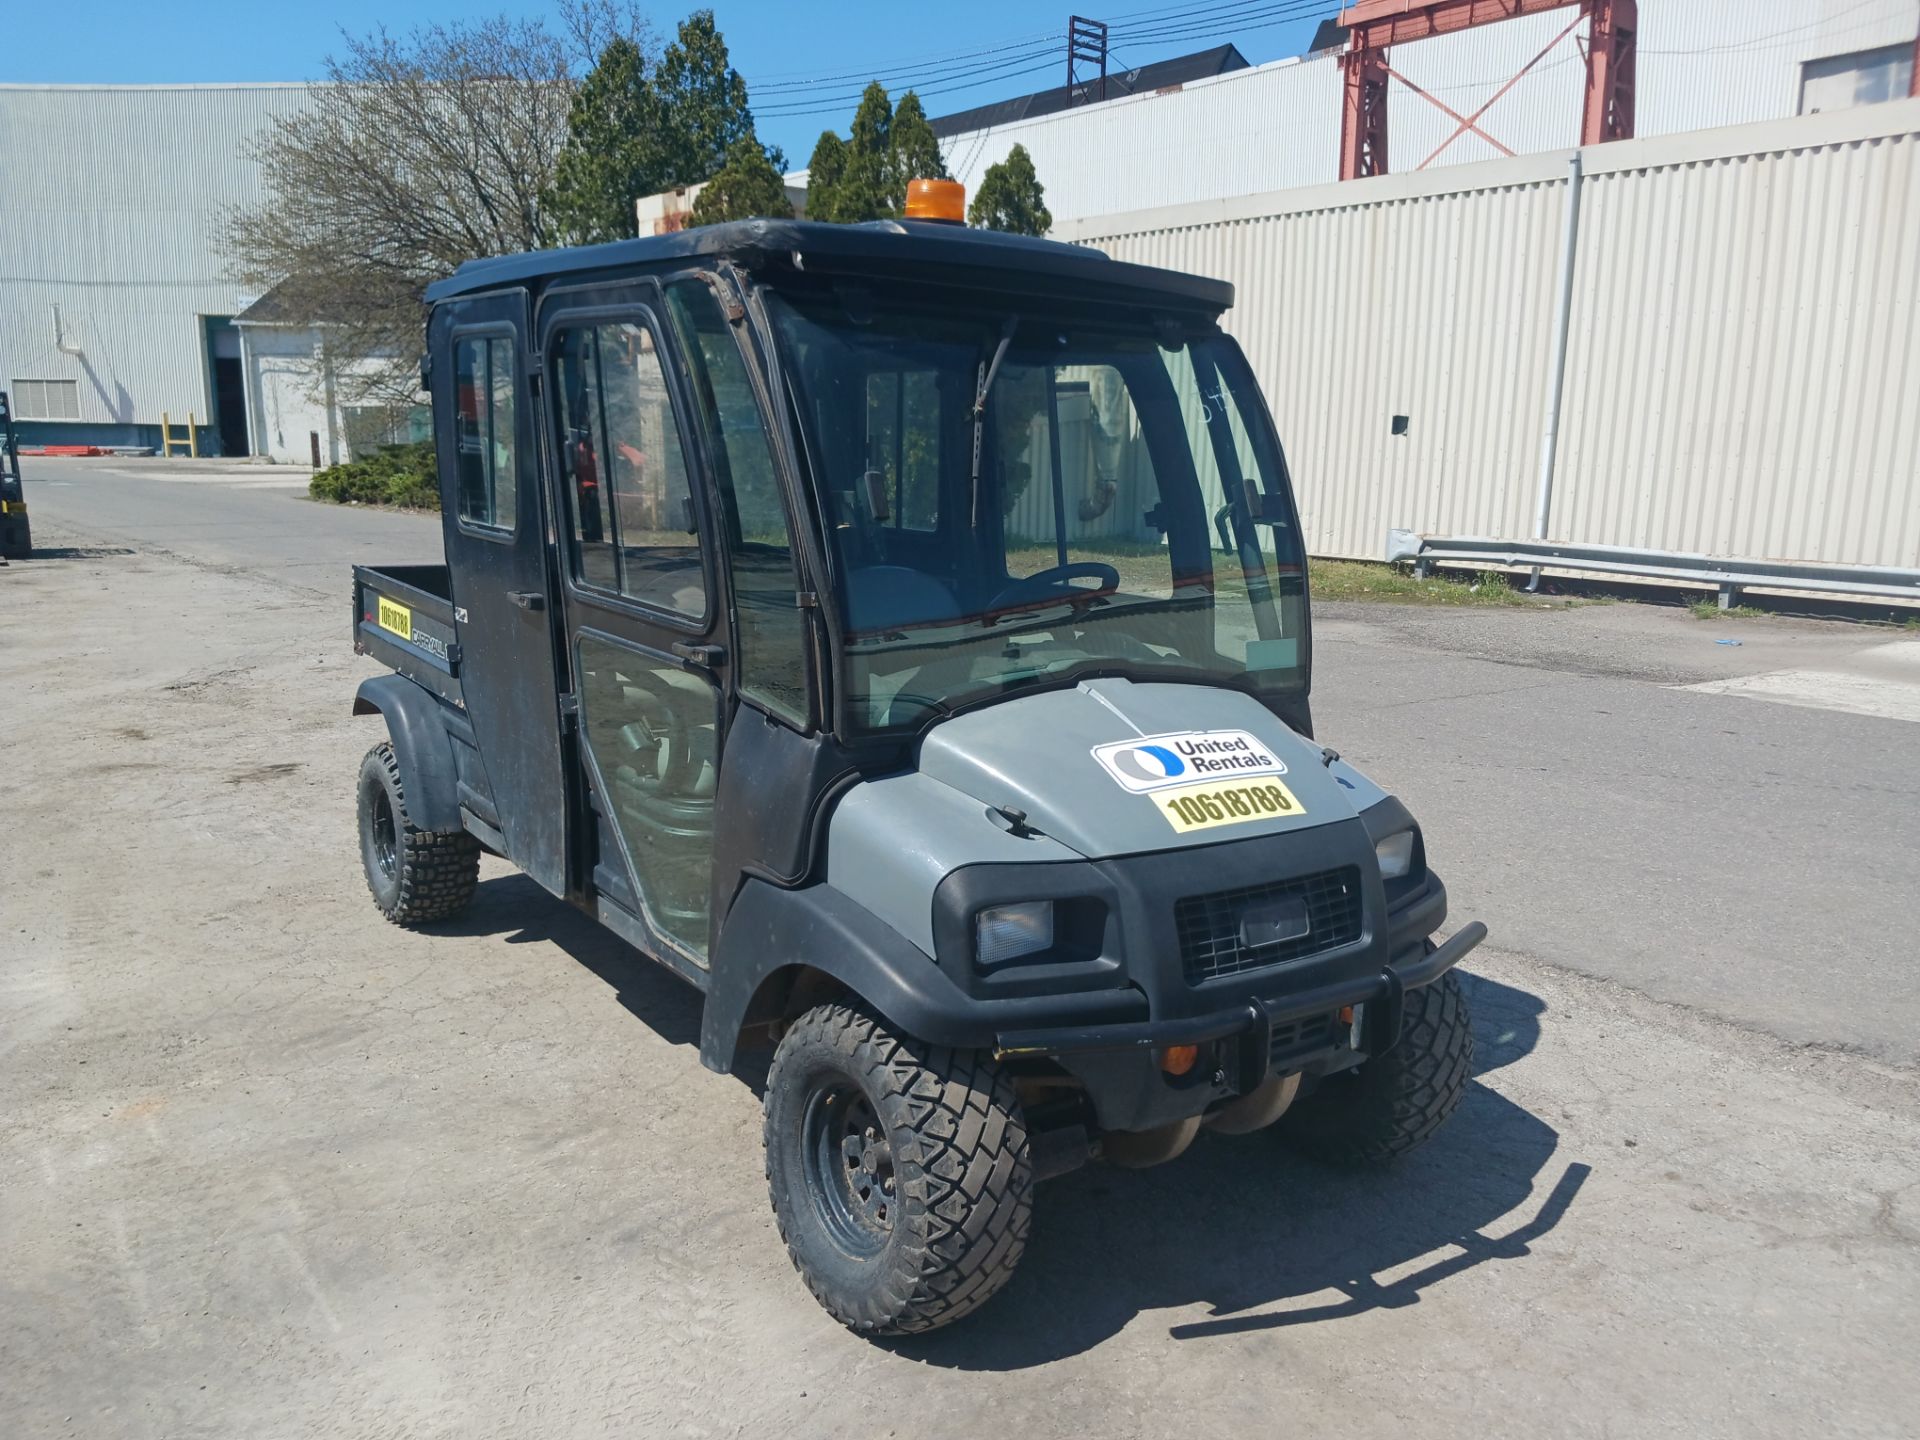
column 1373, row 26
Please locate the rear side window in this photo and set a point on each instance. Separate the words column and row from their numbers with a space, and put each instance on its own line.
column 628, row 493
column 483, row 430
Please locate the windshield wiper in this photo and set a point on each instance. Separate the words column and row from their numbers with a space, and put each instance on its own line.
column 980, row 406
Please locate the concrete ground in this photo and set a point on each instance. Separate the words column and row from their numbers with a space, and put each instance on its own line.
column 271, row 1167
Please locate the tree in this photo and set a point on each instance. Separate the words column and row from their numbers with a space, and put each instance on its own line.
column 635, row 130
column 704, row 104
column 418, row 153
column 824, row 170
column 916, row 151
column 747, row 187
column 865, row 187
column 1011, row 197
column 612, row 154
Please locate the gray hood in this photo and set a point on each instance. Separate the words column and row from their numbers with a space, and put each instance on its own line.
column 1095, row 767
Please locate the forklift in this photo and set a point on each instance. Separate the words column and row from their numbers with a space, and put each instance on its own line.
column 16, row 538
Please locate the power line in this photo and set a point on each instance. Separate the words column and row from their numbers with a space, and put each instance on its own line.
column 822, row 104
column 1157, row 28
column 1032, row 45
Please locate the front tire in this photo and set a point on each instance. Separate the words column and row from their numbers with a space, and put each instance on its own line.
column 898, row 1172
column 416, row 876
column 1394, row 1103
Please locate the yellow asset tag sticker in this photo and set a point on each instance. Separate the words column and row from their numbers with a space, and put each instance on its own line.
column 1226, row 802
column 397, row 618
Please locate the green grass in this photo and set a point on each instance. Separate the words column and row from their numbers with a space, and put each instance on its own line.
column 1361, row 580
column 401, row 475
column 1710, row 610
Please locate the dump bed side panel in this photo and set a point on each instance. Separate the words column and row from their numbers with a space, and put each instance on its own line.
column 403, row 618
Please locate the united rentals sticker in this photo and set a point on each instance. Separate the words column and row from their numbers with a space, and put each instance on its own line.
column 1186, row 757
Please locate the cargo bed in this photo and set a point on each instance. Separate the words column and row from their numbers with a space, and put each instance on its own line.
column 403, row 617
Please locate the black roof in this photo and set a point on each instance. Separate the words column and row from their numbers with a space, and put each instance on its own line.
column 955, row 254
column 1160, row 75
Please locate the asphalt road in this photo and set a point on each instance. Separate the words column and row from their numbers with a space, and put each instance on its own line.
column 271, row 1167
column 1749, row 859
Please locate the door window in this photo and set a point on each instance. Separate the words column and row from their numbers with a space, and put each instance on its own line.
column 652, row 729
column 770, row 655
column 630, row 500
column 483, row 430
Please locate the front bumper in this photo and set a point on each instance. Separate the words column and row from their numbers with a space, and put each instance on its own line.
column 1240, row 1045
column 1256, row 1013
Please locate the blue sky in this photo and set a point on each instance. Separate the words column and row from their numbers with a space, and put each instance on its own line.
column 774, row 42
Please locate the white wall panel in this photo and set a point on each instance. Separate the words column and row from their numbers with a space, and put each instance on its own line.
column 1253, row 130
column 1745, row 355
column 116, row 199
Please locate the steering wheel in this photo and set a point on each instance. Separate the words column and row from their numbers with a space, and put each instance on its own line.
column 1048, row 584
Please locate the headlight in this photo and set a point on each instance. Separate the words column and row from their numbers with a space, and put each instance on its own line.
column 1395, row 854
column 1006, row 932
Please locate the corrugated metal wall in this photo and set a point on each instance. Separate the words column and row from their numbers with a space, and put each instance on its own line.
column 112, row 205
column 1744, row 377
column 1745, row 356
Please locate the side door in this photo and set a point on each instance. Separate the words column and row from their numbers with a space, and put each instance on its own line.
column 486, row 437
column 645, row 619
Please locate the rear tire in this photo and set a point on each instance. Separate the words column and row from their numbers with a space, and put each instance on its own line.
column 898, row 1171
column 1395, row 1103
column 416, row 876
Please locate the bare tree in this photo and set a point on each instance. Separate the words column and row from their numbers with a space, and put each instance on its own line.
column 419, row 152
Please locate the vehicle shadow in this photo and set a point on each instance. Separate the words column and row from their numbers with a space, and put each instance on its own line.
column 1268, row 1239
column 1242, row 1224
column 516, row 908
column 70, row 552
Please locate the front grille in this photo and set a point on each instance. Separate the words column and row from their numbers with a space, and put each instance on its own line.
column 1209, row 925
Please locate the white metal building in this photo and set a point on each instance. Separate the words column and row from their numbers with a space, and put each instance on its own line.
column 1737, row 311
column 1702, row 64
column 116, row 300
column 115, row 297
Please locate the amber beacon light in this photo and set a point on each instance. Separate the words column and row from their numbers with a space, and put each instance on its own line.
column 944, row 200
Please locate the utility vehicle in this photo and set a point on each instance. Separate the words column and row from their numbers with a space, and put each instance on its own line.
column 900, row 632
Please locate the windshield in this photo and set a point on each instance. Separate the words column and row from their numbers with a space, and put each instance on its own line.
column 1116, row 506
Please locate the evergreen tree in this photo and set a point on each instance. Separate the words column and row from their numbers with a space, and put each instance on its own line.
column 1011, row 197
column 703, row 105
column 611, row 155
column 865, row 188
column 824, row 170
column 635, row 129
column 916, row 151
column 746, row 188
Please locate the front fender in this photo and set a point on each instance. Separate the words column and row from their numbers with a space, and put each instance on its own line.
column 421, row 747
column 770, row 930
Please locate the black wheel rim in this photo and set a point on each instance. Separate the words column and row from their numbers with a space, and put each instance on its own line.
column 849, row 1166
column 385, row 841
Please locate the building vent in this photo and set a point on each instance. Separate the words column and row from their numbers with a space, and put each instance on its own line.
column 46, row 399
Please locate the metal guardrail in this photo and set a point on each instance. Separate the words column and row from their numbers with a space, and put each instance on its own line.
column 1728, row 576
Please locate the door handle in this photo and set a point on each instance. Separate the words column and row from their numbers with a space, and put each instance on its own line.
column 707, row 657
column 528, row 599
